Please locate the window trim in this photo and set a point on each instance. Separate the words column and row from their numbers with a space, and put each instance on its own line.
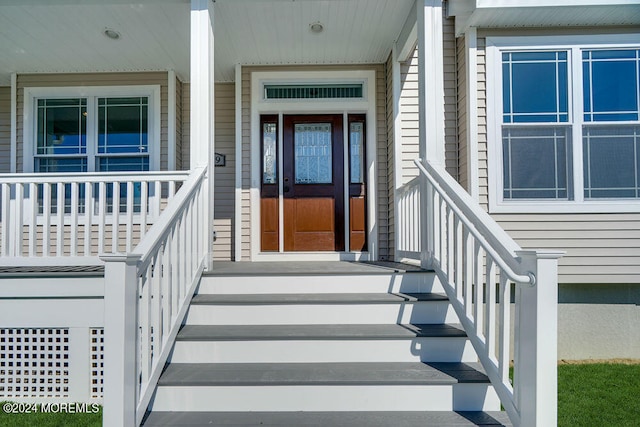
column 31, row 94
column 574, row 45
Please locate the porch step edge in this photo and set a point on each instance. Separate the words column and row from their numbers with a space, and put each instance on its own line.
column 321, row 374
column 337, row 419
column 318, row 332
column 322, row 298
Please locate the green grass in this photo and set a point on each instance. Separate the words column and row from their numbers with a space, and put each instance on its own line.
column 599, row 394
column 41, row 419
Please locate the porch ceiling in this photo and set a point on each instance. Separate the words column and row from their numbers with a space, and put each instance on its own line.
column 60, row 36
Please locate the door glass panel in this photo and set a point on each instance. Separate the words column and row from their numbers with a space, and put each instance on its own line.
column 356, row 151
column 269, row 160
column 312, row 148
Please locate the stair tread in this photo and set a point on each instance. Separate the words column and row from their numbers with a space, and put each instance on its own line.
column 352, row 419
column 292, row 374
column 346, row 298
column 317, row 332
column 303, row 268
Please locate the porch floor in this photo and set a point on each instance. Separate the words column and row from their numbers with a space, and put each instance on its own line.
column 230, row 268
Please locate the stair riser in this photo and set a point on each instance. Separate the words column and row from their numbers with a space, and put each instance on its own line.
column 413, row 282
column 311, row 314
column 458, row 397
column 325, row 351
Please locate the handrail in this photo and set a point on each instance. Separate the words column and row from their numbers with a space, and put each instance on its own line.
column 92, row 177
column 481, row 218
column 147, row 293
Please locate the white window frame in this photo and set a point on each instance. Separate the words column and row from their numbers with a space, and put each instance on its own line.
column 92, row 93
column 574, row 45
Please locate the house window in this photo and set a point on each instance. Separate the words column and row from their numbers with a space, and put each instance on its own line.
column 120, row 143
column 567, row 117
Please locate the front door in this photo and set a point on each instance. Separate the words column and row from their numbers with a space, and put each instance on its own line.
column 313, row 183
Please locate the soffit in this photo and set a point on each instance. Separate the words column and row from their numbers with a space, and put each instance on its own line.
column 61, row 36
column 543, row 13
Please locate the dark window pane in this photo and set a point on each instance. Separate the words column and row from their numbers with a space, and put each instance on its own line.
column 536, row 163
column 63, row 164
column 611, row 81
column 123, row 164
column 610, row 161
column 534, row 88
column 122, row 125
column 61, row 126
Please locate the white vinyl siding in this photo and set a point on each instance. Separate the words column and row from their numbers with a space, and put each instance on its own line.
column 601, row 248
column 5, row 129
column 224, row 181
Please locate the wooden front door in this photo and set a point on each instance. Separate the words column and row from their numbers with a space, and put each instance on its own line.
column 313, row 183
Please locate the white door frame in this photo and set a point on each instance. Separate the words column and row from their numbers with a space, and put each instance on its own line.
column 366, row 105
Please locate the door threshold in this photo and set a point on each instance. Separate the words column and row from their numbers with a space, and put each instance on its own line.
column 313, row 256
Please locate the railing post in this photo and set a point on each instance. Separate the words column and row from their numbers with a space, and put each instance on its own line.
column 120, row 340
column 536, row 340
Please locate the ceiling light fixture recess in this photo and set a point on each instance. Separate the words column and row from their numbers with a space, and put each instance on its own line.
column 111, row 33
column 316, row 27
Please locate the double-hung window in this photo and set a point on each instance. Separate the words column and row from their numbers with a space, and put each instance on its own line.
column 564, row 123
column 92, row 129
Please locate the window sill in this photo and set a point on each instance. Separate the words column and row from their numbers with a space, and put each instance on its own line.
column 564, row 207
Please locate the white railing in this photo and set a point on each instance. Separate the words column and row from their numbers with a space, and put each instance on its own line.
column 478, row 264
column 147, row 294
column 409, row 226
column 79, row 214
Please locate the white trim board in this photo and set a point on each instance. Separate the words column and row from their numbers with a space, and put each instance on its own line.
column 366, row 105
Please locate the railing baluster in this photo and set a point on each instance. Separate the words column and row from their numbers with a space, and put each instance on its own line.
column 469, row 263
column 33, row 219
column 154, row 315
column 129, row 228
column 145, row 323
column 61, row 196
column 19, row 219
column 46, row 219
column 73, row 248
column 115, row 218
column 458, row 265
column 102, row 215
column 449, row 243
column 144, row 194
column 88, row 217
column 505, row 327
column 157, row 199
column 477, row 308
column 490, row 308
column 6, row 218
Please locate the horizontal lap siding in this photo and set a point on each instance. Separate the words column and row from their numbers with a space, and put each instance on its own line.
column 601, row 248
column 389, row 116
column 224, row 178
column 95, row 79
column 5, row 129
column 450, row 97
column 463, row 175
column 409, row 131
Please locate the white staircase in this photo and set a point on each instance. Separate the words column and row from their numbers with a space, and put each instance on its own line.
column 325, row 344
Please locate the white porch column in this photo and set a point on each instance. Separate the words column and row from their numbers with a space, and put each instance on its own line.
column 202, row 144
column 431, row 80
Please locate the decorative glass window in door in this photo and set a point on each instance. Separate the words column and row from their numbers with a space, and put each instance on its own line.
column 313, row 153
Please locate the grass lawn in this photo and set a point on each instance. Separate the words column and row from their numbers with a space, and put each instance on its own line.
column 599, row 394
column 41, row 419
